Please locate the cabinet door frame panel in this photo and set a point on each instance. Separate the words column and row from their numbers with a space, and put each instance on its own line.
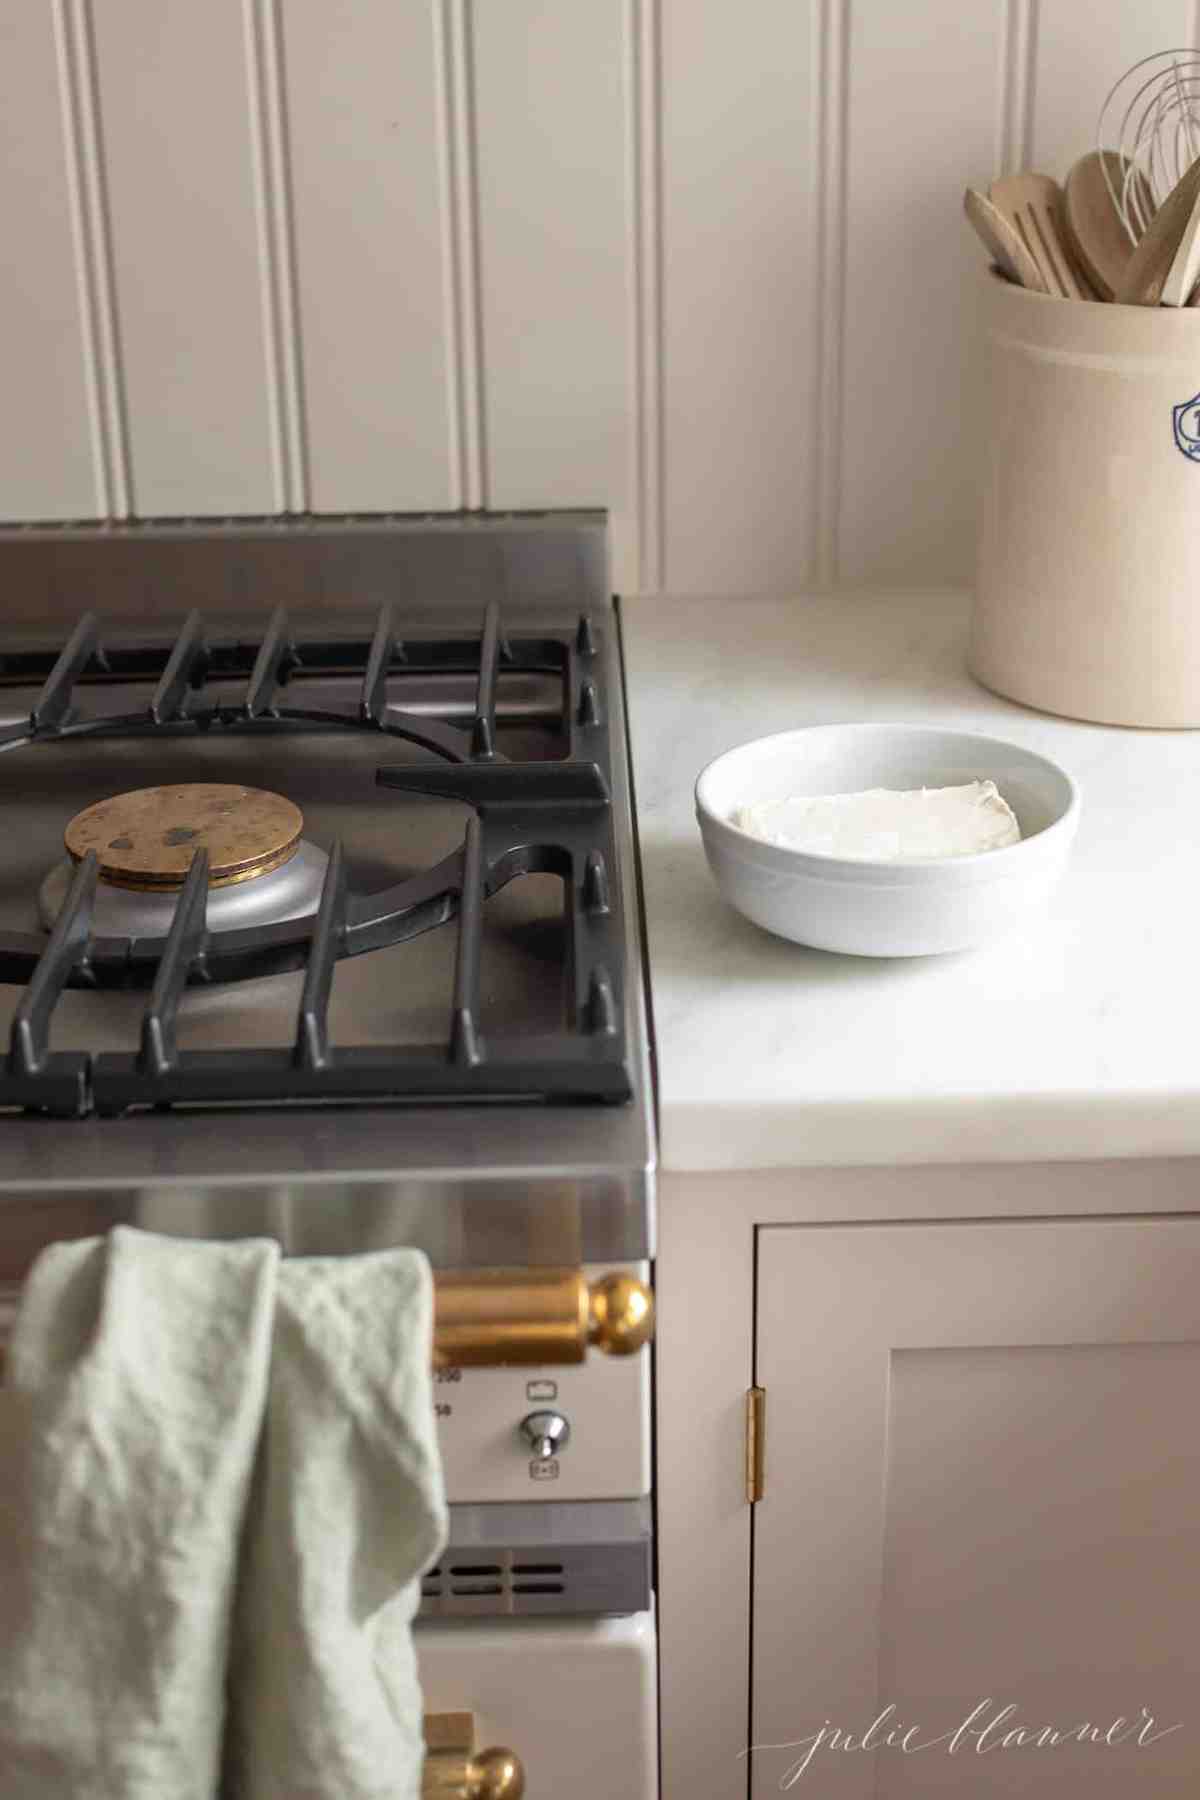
column 829, row 1323
column 705, row 1360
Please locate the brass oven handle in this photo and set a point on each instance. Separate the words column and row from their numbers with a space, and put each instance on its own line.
column 487, row 1317
column 455, row 1770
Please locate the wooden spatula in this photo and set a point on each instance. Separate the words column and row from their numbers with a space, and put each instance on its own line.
column 1001, row 240
column 1091, row 223
column 1145, row 276
column 1033, row 206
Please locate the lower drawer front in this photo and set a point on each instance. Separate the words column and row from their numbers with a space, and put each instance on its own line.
column 575, row 1699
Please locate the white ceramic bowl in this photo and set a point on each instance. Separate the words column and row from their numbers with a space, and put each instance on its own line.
column 867, row 908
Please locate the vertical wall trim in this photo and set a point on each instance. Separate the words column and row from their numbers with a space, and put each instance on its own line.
column 80, row 102
column 1033, row 27
column 832, row 18
column 277, row 254
column 454, row 68
column 644, row 264
column 1014, row 129
column 469, row 259
column 452, row 322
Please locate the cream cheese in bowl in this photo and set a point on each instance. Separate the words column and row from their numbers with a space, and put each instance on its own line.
column 886, row 840
column 886, row 824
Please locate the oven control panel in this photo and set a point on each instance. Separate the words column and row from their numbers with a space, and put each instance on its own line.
column 574, row 1432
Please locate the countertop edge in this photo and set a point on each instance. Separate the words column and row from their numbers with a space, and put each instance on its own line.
column 1020, row 1128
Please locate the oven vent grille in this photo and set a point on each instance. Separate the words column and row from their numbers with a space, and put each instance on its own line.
column 581, row 1579
column 469, row 1580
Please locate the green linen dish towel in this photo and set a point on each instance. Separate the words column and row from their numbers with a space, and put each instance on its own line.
column 221, row 1486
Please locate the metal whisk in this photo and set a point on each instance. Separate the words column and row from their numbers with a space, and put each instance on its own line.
column 1151, row 119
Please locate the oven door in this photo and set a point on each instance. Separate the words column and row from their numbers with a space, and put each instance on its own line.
column 572, row 1699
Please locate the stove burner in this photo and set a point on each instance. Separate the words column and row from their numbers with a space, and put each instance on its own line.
column 290, row 891
column 146, row 840
column 260, row 870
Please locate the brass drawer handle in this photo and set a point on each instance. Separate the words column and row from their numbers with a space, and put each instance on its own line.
column 455, row 1770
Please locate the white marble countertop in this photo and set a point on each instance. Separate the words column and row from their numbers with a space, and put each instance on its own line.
column 1077, row 1036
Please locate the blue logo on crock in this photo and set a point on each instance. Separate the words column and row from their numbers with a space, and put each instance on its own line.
column 1186, row 419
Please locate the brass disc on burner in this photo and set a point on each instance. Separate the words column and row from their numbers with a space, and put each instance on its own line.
column 146, row 840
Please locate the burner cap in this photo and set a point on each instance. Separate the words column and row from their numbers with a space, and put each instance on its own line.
column 146, row 840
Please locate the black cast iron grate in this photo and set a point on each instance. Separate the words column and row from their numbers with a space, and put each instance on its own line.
column 528, row 817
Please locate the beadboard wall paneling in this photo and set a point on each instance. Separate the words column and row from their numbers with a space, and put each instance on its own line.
column 176, row 97
column 925, row 88
column 551, row 239
column 365, row 125
column 48, row 453
column 701, row 266
column 743, row 265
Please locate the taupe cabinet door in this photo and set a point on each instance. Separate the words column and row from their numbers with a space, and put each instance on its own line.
column 982, row 1493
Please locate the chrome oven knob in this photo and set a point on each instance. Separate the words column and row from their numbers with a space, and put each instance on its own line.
column 546, row 1433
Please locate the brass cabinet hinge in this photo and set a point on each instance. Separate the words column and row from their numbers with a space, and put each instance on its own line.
column 756, row 1405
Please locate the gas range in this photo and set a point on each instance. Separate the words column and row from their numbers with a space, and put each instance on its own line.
column 319, row 920
column 452, row 726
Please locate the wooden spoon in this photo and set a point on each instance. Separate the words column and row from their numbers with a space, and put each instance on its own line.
column 1033, row 204
column 1002, row 242
column 1184, row 272
column 1092, row 224
column 1148, row 267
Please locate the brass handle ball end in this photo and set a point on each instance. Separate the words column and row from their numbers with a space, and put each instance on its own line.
column 620, row 1314
column 496, row 1774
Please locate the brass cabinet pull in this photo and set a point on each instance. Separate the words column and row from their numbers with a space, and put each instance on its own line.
column 455, row 1770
